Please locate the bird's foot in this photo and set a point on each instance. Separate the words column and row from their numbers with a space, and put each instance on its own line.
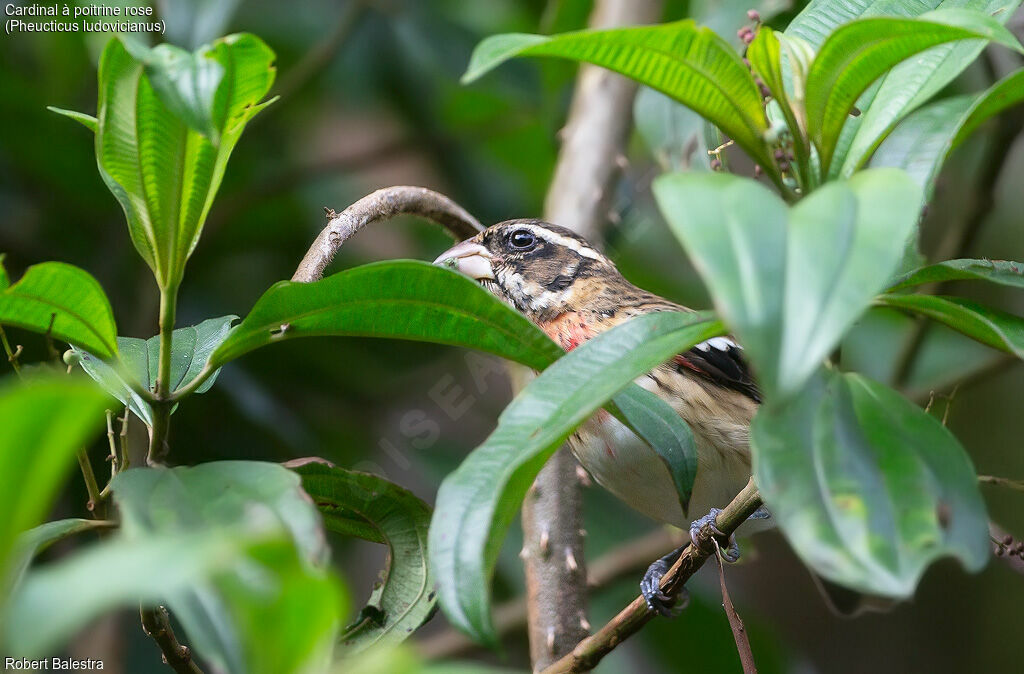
column 731, row 553
column 650, row 587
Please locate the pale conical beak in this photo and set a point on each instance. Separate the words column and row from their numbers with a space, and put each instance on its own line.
column 469, row 258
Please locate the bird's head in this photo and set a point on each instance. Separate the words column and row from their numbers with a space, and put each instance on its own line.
column 541, row 269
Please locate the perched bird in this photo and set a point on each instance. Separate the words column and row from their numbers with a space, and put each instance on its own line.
column 573, row 292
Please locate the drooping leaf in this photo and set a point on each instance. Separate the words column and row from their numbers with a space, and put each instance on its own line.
column 860, row 52
column 692, row 65
column 477, row 502
column 228, row 619
column 993, row 327
column 664, row 430
column 405, row 596
column 790, row 282
column 397, row 299
column 1003, row 272
column 45, row 421
column 65, row 301
column 139, row 363
column 921, row 142
column 867, row 488
column 164, row 173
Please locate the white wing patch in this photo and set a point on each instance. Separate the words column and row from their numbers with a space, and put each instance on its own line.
column 718, row 343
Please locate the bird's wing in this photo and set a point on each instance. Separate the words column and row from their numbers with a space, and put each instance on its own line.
column 720, row 360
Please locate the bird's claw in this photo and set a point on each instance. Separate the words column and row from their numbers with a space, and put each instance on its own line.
column 650, row 587
column 731, row 553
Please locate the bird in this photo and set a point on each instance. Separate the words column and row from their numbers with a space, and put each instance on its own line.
column 573, row 292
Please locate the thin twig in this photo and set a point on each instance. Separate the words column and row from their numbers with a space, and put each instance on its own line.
column 739, row 632
column 383, row 204
column 112, row 443
column 157, row 624
column 624, row 561
column 1017, row 485
column 91, row 485
column 591, row 650
column 12, row 356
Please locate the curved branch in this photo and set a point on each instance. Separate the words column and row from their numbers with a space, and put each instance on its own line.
column 383, row 204
column 628, row 622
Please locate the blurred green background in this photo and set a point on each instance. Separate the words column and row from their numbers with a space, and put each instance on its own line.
column 370, row 97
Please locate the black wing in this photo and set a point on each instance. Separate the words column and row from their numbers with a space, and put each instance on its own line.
column 720, row 360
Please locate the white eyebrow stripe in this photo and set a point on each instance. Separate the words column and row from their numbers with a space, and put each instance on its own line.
column 559, row 240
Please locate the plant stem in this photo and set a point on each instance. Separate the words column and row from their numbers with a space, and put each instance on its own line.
column 589, row 652
column 157, row 624
column 158, row 445
column 168, row 308
column 91, row 485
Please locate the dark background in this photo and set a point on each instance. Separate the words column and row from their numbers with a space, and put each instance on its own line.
column 370, row 98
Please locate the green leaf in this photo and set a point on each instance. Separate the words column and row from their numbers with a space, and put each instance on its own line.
column 45, row 421
column 921, row 142
column 186, row 82
column 993, row 327
column 477, row 502
column 765, row 57
column 790, row 282
column 59, row 599
column 1003, row 272
column 225, row 619
column 399, row 299
column 65, row 301
column 405, row 597
column 692, row 65
column 35, row 540
column 164, row 173
column 139, row 363
column 867, row 487
column 88, row 121
column 860, row 52
column 220, row 493
column 912, row 83
column 664, row 430
column 5, row 280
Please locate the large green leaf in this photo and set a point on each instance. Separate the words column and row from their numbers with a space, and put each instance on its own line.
column 993, row 327
column 164, row 173
column 692, row 65
column 867, row 487
column 30, row 543
column 910, row 84
column 921, row 142
column 790, row 282
column 139, row 363
column 225, row 619
column 860, row 52
column 401, row 299
column 477, row 502
column 45, row 421
column 1003, row 272
column 405, row 597
column 65, row 301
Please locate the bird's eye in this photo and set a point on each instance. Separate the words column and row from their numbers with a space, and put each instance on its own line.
column 522, row 240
